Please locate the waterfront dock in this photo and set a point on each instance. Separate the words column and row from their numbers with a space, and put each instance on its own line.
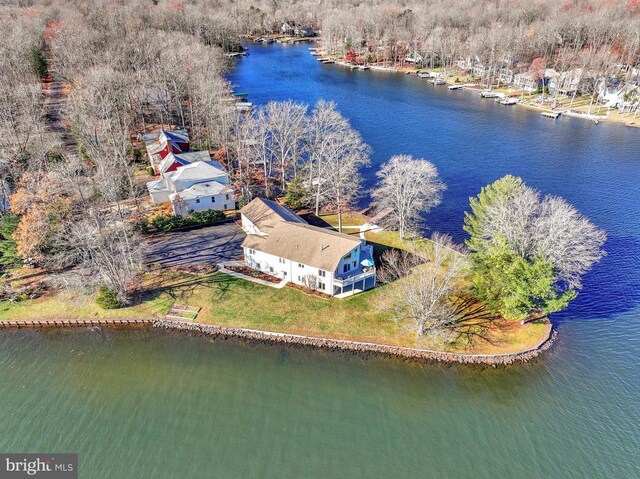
column 78, row 323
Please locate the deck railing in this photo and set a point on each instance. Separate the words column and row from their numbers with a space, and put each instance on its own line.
column 354, row 278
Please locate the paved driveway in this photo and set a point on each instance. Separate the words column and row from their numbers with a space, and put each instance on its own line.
column 209, row 245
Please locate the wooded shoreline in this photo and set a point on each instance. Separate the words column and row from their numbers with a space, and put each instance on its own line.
column 475, row 87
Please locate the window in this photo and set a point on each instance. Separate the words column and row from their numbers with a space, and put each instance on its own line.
column 270, row 269
column 197, row 200
column 321, row 273
column 252, row 251
column 348, row 257
column 281, row 260
column 354, row 264
column 226, row 197
column 300, row 265
column 225, row 206
column 321, row 286
column 213, row 199
column 346, row 267
column 300, row 279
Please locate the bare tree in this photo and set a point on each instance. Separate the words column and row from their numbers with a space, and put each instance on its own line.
column 101, row 252
column 409, row 188
column 423, row 286
column 286, row 130
column 532, row 226
column 336, row 154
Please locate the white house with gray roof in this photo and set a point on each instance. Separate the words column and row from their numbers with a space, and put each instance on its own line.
column 282, row 244
column 197, row 186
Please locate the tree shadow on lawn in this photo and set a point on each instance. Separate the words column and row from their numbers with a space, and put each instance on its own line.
column 185, row 289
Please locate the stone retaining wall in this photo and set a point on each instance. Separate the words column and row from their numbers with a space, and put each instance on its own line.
column 359, row 347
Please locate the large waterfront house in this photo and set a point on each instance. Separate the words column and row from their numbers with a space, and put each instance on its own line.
column 526, row 81
column 281, row 243
column 195, row 186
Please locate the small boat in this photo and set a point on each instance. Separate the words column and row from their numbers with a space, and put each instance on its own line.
column 424, row 74
column 489, row 94
column 440, row 81
column 509, row 101
column 315, row 53
column 455, row 87
column 551, row 114
column 363, row 67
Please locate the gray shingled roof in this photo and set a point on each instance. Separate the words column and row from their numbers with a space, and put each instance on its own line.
column 306, row 244
column 265, row 214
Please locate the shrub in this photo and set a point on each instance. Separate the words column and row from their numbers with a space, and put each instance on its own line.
column 55, row 157
column 164, row 223
column 150, row 171
column 206, row 217
column 141, row 226
column 108, row 298
column 38, row 62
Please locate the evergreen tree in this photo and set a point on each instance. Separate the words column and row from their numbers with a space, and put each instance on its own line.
column 527, row 253
column 8, row 253
column 296, row 196
column 38, row 62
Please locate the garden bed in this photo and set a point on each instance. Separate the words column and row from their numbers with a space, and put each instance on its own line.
column 254, row 273
column 309, row 291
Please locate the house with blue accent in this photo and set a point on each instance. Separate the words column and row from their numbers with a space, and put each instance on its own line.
column 282, row 244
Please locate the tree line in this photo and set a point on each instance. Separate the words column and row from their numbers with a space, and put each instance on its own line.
column 83, row 79
column 80, row 81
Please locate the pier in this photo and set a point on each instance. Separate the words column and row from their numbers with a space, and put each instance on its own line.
column 73, row 323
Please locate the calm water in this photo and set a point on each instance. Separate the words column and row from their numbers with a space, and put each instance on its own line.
column 148, row 404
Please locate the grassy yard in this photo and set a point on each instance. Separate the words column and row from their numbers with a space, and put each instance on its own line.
column 233, row 302
column 228, row 301
column 382, row 240
column 348, row 219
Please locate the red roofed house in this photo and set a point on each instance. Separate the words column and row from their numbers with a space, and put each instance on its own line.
column 159, row 145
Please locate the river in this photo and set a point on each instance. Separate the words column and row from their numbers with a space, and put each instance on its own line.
column 157, row 404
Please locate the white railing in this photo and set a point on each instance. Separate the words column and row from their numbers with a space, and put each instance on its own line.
column 352, row 279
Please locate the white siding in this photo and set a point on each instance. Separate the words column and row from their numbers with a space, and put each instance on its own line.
column 249, row 227
column 289, row 270
column 206, row 203
column 160, row 196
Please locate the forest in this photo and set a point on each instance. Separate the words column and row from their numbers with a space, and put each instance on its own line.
column 82, row 80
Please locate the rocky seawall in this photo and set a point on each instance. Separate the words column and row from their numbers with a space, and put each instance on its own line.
column 359, row 347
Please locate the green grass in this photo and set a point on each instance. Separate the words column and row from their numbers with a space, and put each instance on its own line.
column 229, row 301
column 348, row 219
column 72, row 306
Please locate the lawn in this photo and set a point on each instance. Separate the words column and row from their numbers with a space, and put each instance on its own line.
column 382, row 240
column 228, row 301
column 348, row 219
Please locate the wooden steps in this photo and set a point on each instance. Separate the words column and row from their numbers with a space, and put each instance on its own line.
column 183, row 312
